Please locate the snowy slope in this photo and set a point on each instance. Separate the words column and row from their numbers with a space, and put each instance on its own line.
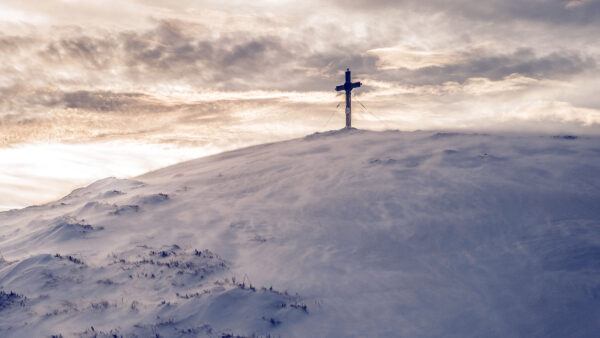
column 347, row 233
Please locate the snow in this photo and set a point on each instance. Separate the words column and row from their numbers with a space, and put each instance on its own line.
column 345, row 233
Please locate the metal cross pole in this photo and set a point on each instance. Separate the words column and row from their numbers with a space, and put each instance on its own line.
column 348, row 86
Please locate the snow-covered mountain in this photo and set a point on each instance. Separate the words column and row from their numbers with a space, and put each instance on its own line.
column 347, row 233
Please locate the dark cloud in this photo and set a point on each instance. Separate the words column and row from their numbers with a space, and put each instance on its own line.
column 258, row 53
column 231, row 61
column 13, row 44
column 7, row 93
column 106, row 101
column 90, row 52
column 550, row 11
column 188, row 53
column 496, row 67
column 21, row 98
column 336, row 61
column 171, row 51
column 160, row 49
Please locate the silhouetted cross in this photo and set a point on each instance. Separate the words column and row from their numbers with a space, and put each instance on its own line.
column 348, row 86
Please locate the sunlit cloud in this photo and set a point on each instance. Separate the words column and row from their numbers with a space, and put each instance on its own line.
column 413, row 58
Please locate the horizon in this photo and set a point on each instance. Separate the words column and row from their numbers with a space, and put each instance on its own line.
column 87, row 93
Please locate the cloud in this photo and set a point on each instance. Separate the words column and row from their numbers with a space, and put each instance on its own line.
column 546, row 11
column 412, row 58
column 578, row 3
column 189, row 53
column 494, row 67
column 105, row 101
column 236, row 60
column 12, row 44
column 86, row 51
column 171, row 52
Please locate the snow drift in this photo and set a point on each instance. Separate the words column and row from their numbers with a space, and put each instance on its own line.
column 347, row 233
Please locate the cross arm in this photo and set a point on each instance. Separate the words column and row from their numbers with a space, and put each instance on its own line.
column 348, row 86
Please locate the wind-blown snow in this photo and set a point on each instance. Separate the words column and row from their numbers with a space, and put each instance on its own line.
column 347, row 233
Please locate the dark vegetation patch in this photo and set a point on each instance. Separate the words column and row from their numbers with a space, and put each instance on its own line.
column 274, row 322
column 254, row 335
column 153, row 263
column 10, row 299
column 125, row 209
column 53, row 280
column 169, row 328
column 292, row 301
column 112, row 193
column 65, row 308
column 153, row 199
column 106, row 281
column 384, row 161
column 69, row 258
column 408, row 162
column 259, row 239
column 565, row 137
column 92, row 332
column 443, row 135
column 80, row 225
column 101, row 305
column 194, row 294
column 97, row 206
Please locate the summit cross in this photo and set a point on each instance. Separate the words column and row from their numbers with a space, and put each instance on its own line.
column 348, row 86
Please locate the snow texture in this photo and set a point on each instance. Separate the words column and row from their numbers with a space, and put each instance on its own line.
column 345, row 233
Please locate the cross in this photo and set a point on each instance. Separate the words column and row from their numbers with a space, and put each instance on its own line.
column 348, row 86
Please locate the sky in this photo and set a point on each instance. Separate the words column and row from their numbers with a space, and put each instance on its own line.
column 90, row 89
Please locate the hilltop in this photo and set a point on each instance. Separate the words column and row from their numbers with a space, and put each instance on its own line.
column 345, row 233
